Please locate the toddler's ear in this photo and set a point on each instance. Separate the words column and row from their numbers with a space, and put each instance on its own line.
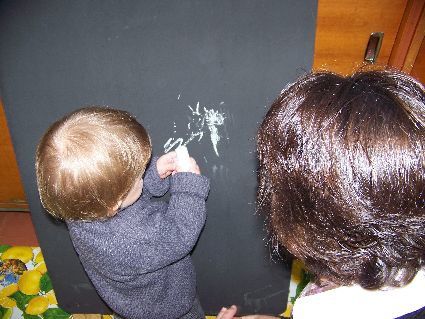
column 118, row 205
column 115, row 209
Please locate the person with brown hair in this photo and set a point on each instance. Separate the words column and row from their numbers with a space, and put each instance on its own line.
column 90, row 168
column 342, row 185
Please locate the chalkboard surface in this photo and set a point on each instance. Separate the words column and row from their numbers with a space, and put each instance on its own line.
column 200, row 73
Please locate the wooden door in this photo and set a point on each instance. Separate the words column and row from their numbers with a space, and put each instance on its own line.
column 418, row 69
column 343, row 30
column 12, row 196
column 409, row 51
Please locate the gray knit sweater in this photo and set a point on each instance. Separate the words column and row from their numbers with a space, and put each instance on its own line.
column 139, row 259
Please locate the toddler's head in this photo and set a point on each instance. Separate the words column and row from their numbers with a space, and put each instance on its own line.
column 342, row 175
column 88, row 161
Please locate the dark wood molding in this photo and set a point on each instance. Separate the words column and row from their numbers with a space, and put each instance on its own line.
column 406, row 33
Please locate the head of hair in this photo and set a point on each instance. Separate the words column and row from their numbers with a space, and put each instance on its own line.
column 341, row 176
column 88, row 161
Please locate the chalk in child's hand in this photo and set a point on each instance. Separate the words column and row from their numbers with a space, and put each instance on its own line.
column 183, row 158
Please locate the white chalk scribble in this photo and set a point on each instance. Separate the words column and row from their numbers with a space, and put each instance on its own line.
column 202, row 121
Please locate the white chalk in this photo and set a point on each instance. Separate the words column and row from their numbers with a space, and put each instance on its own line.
column 183, row 158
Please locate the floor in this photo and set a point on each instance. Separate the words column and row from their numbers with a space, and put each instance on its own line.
column 16, row 229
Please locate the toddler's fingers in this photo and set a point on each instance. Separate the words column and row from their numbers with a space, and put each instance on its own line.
column 194, row 166
column 197, row 170
column 221, row 313
column 167, row 163
column 169, row 166
column 227, row 313
column 166, row 174
column 170, row 156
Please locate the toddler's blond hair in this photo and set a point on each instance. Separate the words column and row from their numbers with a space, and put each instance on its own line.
column 88, row 161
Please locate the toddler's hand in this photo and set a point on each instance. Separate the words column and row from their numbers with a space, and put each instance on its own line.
column 227, row 313
column 166, row 164
column 189, row 166
column 184, row 162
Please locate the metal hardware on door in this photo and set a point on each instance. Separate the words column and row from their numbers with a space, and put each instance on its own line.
column 373, row 47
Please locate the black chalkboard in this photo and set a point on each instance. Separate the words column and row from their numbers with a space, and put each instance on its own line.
column 199, row 71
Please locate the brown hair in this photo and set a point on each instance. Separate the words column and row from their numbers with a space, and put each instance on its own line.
column 89, row 160
column 341, row 176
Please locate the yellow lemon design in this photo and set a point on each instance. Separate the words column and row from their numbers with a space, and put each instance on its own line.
column 8, row 290
column 29, row 283
column 7, row 302
column 39, row 258
column 41, row 268
column 52, row 297
column 37, row 305
column 18, row 252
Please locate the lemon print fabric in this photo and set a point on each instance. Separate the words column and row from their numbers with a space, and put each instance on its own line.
column 37, row 305
column 26, row 291
column 22, row 253
column 29, row 282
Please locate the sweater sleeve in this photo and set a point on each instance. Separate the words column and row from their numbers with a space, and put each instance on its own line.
column 153, row 184
column 170, row 232
column 143, row 239
column 178, row 229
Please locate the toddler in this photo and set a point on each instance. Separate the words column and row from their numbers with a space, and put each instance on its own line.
column 90, row 168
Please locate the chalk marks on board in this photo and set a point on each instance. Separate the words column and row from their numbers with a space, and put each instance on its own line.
column 202, row 122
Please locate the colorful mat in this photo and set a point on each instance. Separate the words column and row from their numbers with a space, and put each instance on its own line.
column 26, row 290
